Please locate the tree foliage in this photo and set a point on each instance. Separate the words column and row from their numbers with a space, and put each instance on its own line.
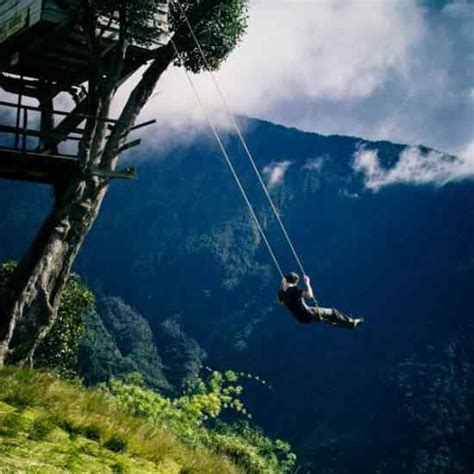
column 59, row 350
column 195, row 418
column 137, row 17
column 217, row 24
column 436, row 393
column 218, row 29
column 181, row 354
column 118, row 341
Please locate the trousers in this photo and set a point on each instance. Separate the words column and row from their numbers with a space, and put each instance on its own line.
column 331, row 315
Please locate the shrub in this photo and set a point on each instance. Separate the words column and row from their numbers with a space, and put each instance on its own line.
column 59, row 350
column 92, row 432
column 40, row 429
column 11, row 424
column 194, row 418
column 117, row 443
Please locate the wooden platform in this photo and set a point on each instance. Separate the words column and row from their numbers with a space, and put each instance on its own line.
column 62, row 59
column 39, row 40
column 36, row 167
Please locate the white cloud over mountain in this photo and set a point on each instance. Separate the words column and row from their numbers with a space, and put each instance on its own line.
column 395, row 70
column 414, row 167
column 274, row 173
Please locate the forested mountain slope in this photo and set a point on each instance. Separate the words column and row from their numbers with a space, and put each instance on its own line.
column 179, row 241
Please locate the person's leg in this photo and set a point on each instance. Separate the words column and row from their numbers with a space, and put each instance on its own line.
column 334, row 317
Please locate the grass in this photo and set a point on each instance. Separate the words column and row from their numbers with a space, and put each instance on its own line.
column 48, row 425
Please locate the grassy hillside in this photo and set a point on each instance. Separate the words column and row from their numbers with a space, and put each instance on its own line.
column 48, row 425
column 50, row 421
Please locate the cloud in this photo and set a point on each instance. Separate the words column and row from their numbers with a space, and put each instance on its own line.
column 315, row 164
column 298, row 50
column 344, row 67
column 328, row 48
column 394, row 70
column 460, row 9
column 275, row 172
column 414, row 167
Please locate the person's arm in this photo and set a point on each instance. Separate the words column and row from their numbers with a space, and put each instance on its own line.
column 283, row 288
column 284, row 284
column 308, row 292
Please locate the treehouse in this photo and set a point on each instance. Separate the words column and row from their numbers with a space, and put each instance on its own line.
column 44, row 52
column 40, row 39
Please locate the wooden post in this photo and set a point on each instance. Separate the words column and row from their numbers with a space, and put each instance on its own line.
column 18, row 118
column 25, row 131
column 47, row 125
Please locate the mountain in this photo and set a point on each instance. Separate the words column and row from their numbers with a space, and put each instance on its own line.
column 118, row 341
column 178, row 243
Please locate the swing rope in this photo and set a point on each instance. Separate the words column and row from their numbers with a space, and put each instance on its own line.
column 232, row 119
column 213, row 128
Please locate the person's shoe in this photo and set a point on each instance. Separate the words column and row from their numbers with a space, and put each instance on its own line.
column 358, row 322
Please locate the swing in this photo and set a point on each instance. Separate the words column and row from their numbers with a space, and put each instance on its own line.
column 233, row 121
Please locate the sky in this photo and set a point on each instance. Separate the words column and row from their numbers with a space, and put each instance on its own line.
column 398, row 70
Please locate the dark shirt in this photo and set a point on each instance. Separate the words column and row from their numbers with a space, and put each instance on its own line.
column 292, row 298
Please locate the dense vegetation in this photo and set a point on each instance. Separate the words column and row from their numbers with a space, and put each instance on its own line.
column 59, row 350
column 435, row 388
column 122, row 425
column 117, row 341
column 101, row 338
column 49, row 424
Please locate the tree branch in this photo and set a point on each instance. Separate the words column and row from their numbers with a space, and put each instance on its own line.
column 95, row 76
column 162, row 58
column 136, row 101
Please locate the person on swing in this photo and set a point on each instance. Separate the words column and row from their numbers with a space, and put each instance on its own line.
column 294, row 299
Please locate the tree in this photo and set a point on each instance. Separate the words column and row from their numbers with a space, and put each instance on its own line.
column 181, row 354
column 117, row 342
column 60, row 348
column 29, row 304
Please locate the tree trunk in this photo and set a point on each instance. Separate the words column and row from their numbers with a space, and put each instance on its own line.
column 29, row 306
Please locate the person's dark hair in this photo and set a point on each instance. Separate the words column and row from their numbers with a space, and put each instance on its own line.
column 292, row 278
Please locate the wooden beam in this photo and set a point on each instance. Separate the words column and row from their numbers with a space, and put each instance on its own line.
column 136, row 127
column 69, row 123
column 55, row 112
column 36, row 167
column 126, row 173
column 11, row 151
column 28, row 87
column 68, row 62
column 143, row 124
column 129, row 145
column 28, row 132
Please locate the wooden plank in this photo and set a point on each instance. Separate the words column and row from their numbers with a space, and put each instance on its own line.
column 126, row 173
column 129, row 145
column 69, row 49
column 5, row 8
column 34, row 167
column 49, row 169
column 31, row 64
column 68, row 62
column 29, row 132
column 54, row 61
column 13, row 22
column 13, row 152
column 55, row 112
column 53, row 13
column 143, row 124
